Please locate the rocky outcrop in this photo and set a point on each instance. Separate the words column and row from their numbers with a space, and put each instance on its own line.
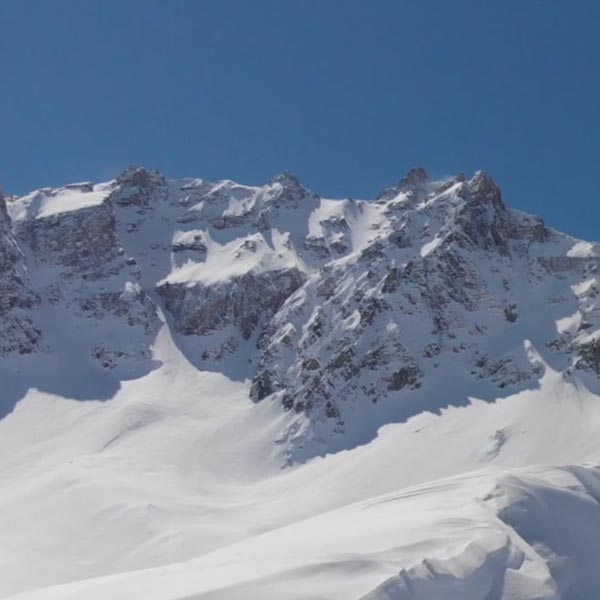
column 243, row 302
column 129, row 310
column 140, row 188
column 12, row 289
column 483, row 218
column 190, row 241
column 414, row 184
column 69, row 238
column 82, row 243
column 131, row 304
column 18, row 333
column 285, row 191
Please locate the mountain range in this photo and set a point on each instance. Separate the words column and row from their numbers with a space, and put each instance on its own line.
column 220, row 391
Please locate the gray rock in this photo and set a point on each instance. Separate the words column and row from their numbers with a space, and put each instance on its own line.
column 82, row 242
column 140, row 188
column 18, row 333
column 243, row 302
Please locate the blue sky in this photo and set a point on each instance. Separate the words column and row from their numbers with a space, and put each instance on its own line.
column 347, row 95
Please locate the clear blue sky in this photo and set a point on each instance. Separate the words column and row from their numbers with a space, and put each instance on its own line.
column 347, row 95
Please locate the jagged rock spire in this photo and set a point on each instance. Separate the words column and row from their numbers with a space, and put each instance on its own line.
column 286, row 179
column 138, row 186
column 413, row 180
column 136, row 175
column 292, row 192
column 415, row 177
column 484, row 188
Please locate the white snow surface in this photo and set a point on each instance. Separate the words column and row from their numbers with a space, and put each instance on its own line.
column 233, row 259
column 179, row 469
column 51, row 202
column 173, row 485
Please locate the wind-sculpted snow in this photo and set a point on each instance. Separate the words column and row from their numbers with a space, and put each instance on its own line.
column 285, row 396
column 485, row 536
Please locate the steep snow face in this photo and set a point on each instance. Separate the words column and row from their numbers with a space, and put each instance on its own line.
column 295, row 397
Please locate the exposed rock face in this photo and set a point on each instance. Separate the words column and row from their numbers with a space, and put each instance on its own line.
column 18, row 334
column 10, row 283
column 346, row 312
column 287, row 192
column 69, row 237
column 140, row 188
column 129, row 309
column 243, row 302
column 192, row 241
column 413, row 184
column 82, row 242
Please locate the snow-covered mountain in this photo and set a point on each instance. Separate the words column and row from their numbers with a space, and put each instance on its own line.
column 213, row 390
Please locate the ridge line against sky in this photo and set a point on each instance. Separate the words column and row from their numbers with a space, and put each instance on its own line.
column 347, row 96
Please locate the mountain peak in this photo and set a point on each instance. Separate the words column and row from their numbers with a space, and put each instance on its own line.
column 287, row 190
column 137, row 175
column 484, row 188
column 138, row 186
column 414, row 177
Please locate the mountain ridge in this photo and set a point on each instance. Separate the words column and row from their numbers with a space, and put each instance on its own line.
column 233, row 266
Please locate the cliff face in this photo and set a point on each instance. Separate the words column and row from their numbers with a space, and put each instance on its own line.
column 18, row 333
column 347, row 312
column 68, row 241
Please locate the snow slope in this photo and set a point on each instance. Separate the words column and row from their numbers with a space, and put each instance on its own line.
column 136, row 461
column 474, row 544
column 181, row 464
